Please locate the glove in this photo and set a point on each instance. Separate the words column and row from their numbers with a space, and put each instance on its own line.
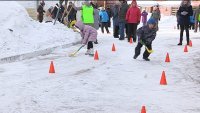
column 184, row 13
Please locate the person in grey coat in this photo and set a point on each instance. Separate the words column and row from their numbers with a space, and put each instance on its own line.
column 115, row 21
column 96, row 18
column 122, row 17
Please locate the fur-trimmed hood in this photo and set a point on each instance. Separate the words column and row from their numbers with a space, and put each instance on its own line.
column 188, row 4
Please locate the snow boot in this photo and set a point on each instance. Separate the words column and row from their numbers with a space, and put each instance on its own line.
column 135, row 56
column 179, row 44
column 87, row 52
column 146, row 59
column 91, row 53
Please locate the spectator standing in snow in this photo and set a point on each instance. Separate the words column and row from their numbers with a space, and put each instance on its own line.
column 96, row 18
column 177, row 19
column 87, row 13
column 133, row 16
column 104, row 19
column 156, row 14
column 197, row 18
column 48, row 17
column 192, row 21
column 185, row 11
column 40, row 12
column 115, row 14
column 55, row 10
column 144, row 17
column 71, row 12
column 122, row 17
column 89, row 35
column 146, row 35
column 109, row 12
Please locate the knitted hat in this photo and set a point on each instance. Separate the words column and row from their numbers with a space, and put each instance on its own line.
column 151, row 21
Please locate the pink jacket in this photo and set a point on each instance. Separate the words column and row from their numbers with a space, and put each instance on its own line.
column 133, row 15
column 88, row 33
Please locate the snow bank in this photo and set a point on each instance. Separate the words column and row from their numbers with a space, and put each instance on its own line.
column 20, row 34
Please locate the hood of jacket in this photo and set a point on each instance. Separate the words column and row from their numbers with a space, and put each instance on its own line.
column 80, row 25
column 188, row 4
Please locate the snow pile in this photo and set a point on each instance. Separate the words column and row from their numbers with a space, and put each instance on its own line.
column 20, row 34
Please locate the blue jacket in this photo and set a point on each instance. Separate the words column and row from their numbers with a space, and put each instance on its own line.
column 192, row 20
column 103, row 16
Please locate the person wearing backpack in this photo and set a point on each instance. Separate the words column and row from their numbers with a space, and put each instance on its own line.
column 197, row 19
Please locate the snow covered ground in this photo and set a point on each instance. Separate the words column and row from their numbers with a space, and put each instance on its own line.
column 20, row 34
column 116, row 83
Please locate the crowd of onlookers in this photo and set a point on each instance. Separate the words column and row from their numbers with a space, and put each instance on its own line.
column 125, row 18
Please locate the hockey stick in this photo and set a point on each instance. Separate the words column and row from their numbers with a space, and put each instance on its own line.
column 148, row 50
column 74, row 53
column 67, row 12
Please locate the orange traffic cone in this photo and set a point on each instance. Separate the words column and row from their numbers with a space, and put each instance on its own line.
column 143, row 110
column 51, row 69
column 190, row 43
column 131, row 40
column 163, row 80
column 96, row 56
column 185, row 49
column 113, row 47
column 167, row 58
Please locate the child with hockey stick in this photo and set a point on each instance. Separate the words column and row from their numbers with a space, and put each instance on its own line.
column 88, row 34
column 146, row 35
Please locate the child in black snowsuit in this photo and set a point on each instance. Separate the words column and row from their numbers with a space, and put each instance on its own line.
column 146, row 35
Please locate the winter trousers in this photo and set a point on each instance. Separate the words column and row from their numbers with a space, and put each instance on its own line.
column 138, row 49
column 89, row 45
column 186, row 28
column 197, row 24
column 121, row 29
column 132, row 27
column 104, row 24
column 126, row 29
column 116, row 32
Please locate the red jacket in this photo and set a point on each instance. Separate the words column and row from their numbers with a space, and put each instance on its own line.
column 133, row 15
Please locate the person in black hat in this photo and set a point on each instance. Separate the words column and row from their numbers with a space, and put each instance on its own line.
column 146, row 34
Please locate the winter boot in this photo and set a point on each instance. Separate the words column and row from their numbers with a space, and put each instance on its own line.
column 146, row 59
column 179, row 44
column 135, row 56
column 91, row 53
column 87, row 52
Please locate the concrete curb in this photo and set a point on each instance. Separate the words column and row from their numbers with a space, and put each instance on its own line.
column 35, row 53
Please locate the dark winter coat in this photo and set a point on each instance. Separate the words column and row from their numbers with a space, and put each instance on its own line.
column 72, row 13
column 40, row 11
column 115, row 15
column 122, row 12
column 184, row 19
column 146, row 34
column 156, row 14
